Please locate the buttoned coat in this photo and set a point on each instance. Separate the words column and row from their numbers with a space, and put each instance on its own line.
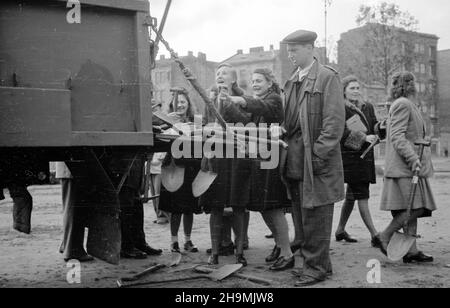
column 405, row 127
column 321, row 121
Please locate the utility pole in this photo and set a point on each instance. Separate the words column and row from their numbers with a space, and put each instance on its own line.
column 327, row 3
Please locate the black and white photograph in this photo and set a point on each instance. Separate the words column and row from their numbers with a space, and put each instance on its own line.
column 224, row 150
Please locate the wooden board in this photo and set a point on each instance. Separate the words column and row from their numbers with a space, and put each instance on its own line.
column 34, row 117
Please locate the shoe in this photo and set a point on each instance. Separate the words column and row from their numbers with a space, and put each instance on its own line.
column 304, row 281
column 133, row 254
column 274, row 255
column 162, row 221
column 283, row 264
column 241, row 259
column 419, row 257
column 174, row 247
column 82, row 259
column 269, row 236
column 295, row 247
column 189, row 246
column 376, row 242
column 150, row 250
column 344, row 236
column 213, row 260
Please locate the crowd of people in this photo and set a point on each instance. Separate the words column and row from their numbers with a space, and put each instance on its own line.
column 330, row 131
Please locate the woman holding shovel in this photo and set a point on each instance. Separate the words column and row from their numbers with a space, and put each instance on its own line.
column 180, row 203
column 267, row 193
column 407, row 191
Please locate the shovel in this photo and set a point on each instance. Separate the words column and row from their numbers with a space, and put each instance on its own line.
column 262, row 281
column 401, row 243
column 172, row 177
column 202, row 182
column 175, row 260
column 216, row 275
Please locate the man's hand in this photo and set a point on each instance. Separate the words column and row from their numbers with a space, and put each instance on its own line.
column 277, row 131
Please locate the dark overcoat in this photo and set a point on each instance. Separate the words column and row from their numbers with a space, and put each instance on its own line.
column 231, row 187
column 357, row 170
column 314, row 132
column 267, row 192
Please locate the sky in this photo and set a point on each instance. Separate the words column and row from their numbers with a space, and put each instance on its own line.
column 220, row 27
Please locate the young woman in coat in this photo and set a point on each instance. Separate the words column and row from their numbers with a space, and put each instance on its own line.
column 231, row 188
column 267, row 193
column 405, row 127
column 358, row 173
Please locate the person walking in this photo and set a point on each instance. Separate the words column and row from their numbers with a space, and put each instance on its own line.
column 361, row 130
column 405, row 127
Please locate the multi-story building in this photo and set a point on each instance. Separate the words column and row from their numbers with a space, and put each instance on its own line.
column 274, row 59
column 167, row 75
column 407, row 50
column 443, row 88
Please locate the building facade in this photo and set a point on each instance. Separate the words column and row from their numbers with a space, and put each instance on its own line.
column 407, row 50
column 443, row 87
column 167, row 75
column 275, row 59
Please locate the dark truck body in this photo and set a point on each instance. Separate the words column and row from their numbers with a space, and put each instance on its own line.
column 71, row 92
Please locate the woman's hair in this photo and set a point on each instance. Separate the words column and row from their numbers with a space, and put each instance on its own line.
column 268, row 74
column 347, row 81
column 190, row 109
column 235, row 89
column 403, row 84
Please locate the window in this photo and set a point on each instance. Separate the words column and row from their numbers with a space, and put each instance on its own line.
column 168, row 76
column 417, row 48
column 416, row 67
column 422, row 48
column 422, row 68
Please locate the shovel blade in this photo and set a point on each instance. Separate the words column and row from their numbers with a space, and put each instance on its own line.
column 202, row 182
column 175, row 259
column 225, row 271
column 172, row 177
column 399, row 246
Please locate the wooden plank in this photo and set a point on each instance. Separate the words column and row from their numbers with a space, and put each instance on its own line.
column 98, row 139
column 34, row 117
column 132, row 5
column 144, row 112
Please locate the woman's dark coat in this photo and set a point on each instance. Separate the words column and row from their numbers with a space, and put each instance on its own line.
column 357, row 170
column 240, row 183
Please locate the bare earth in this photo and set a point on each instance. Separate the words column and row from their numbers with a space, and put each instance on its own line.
column 33, row 260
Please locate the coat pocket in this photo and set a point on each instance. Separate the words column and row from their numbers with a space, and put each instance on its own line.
column 320, row 166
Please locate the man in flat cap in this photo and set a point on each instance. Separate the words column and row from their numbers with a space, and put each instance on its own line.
column 312, row 165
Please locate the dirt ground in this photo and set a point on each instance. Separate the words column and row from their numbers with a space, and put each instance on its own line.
column 33, row 260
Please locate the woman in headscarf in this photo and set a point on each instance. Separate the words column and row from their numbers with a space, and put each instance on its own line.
column 181, row 204
column 405, row 127
column 361, row 129
column 267, row 193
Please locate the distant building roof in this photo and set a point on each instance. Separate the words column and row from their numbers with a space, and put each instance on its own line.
column 362, row 28
column 257, row 54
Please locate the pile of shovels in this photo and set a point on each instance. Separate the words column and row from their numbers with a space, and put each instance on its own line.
column 198, row 271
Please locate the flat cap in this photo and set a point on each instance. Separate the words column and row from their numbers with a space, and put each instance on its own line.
column 300, row 37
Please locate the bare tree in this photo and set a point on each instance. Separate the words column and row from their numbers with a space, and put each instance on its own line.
column 385, row 49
